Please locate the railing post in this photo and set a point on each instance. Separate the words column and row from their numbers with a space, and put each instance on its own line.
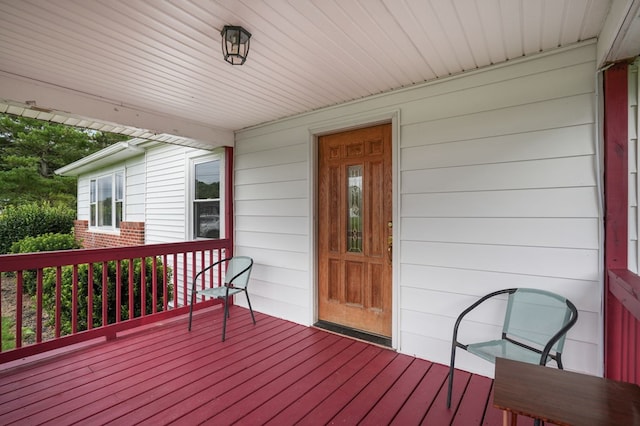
column 616, row 151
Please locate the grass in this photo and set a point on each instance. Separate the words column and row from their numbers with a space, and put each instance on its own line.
column 8, row 335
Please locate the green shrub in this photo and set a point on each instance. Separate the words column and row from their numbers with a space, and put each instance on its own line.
column 44, row 242
column 49, row 292
column 31, row 220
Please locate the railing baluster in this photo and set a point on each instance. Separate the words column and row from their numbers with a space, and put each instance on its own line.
column 154, row 285
column 130, row 286
column 194, row 271
column 184, row 279
column 58, row 301
column 143, row 286
column 39, row 295
column 19, row 283
column 203, row 278
column 211, row 261
column 220, row 279
column 105, row 294
column 165, row 285
column 74, row 300
column 175, row 280
column 90, row 297
column 118, row 290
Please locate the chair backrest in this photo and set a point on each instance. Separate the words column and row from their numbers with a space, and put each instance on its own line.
column 539, row 316
column 238, row 271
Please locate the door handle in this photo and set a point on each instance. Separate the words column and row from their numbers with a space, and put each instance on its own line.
column 390, row 248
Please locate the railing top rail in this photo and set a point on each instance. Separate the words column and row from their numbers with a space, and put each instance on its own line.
column 625, row 286
column 18, row 262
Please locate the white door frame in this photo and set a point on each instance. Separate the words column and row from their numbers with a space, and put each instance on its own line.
column 336, row 126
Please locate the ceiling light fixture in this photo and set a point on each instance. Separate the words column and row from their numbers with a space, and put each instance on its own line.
column 235, row 44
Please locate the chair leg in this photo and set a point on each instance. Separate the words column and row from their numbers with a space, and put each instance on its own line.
column 250, row 309
column 451, row 370
column 224, row 321
column 559, row 361
column 190, row 311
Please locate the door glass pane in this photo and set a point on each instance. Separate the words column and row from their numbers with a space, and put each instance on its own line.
column 354, row 206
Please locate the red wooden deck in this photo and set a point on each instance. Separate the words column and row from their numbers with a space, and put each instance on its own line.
column 275, row 373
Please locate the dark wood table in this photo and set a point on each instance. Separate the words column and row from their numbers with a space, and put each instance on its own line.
column 563, row 397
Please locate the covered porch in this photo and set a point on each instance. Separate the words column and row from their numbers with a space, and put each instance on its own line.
column 275, row 372
column 513, row 164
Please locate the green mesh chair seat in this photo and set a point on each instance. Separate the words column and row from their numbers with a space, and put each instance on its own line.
column 219, row 292
column 503, row 349
column 535, row 326
column 236, row 280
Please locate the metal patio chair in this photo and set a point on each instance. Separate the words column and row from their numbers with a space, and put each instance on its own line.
column 236, row 280
column 534, row 330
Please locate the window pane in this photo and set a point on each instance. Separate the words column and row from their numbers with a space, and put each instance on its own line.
column 105, row 200
column 207, row 180
column 354, row 205
column 92, row 203
column 119, row 186
column 93, row 191
column 207, row 219
column 118, row 213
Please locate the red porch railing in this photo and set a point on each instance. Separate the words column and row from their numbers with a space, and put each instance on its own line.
column 99, row 292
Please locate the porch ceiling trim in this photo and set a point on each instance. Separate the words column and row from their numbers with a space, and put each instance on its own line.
column 46, row 102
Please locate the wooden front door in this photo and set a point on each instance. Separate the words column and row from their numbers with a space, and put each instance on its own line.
column 355, row 228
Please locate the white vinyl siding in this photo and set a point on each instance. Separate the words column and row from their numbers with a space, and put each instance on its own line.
column 166, row 194
column 83, row 197
column 135, row 191
column 497, row 189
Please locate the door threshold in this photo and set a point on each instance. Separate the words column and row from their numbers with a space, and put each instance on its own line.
column 356, row 334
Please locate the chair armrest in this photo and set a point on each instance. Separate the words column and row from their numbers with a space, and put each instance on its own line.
column 195, row 278
column 473, row 306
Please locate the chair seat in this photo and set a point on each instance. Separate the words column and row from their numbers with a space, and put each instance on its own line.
column 218, row 292
column 503, row 349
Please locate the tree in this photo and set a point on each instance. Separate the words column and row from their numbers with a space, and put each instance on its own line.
column 31, row 150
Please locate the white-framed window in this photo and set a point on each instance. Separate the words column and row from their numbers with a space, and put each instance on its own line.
column 207, row 205
column 106, row 201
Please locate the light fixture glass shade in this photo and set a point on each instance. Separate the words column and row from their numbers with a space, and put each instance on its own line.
column 235, row 44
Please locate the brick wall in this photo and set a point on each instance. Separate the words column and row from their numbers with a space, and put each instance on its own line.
column 131, row 234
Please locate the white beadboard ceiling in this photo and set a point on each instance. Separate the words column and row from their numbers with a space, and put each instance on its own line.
column 162, row 59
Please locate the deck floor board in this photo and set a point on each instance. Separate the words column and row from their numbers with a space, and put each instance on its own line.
column 275, row 372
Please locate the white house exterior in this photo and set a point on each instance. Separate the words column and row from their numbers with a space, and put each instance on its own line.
column 158, row 189
column 495, row 185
